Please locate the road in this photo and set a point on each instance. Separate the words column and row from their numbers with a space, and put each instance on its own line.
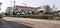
column 14, row 22
column 11, row 24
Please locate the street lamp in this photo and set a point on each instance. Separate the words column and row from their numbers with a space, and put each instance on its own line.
column 24, row 4
column 0, row 6
column 25, row 8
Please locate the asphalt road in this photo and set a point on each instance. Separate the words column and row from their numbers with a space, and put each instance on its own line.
column 36, row 23
column 12, row 24
column 2, row 25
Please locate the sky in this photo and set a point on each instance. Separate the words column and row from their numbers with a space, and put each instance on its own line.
column 33, row 3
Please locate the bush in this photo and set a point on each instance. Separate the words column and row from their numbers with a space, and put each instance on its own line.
column 40, row 16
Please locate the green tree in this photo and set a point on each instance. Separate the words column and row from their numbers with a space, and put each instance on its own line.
column 48, row 9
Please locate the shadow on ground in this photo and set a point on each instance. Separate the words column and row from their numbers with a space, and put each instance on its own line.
column 13, row 24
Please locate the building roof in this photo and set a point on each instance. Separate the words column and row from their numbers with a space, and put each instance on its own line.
column 26, row 7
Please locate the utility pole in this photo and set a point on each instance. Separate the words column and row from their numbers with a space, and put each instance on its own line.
column 0, row 6
column 14, row 7
column 14, row 4
column 11, row 3
column 11, row 9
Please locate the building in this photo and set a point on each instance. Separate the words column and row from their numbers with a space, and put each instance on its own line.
column 28, row 10
column 20, row 10
column 8, row 10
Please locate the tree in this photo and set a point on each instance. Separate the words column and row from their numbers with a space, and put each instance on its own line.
column 47, row 9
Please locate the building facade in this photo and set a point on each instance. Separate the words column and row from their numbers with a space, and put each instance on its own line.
column 8, row 10
column 20, row 10
column 28, row 10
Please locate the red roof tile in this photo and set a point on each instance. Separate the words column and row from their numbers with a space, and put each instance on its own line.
column 26, row 7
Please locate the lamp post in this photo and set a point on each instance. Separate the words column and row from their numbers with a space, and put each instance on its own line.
column 25, row 8
column 24, row 4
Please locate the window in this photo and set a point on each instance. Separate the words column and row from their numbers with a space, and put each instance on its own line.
column 16, row 9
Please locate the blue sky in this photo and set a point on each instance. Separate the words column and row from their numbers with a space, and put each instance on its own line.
column 34, row 3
